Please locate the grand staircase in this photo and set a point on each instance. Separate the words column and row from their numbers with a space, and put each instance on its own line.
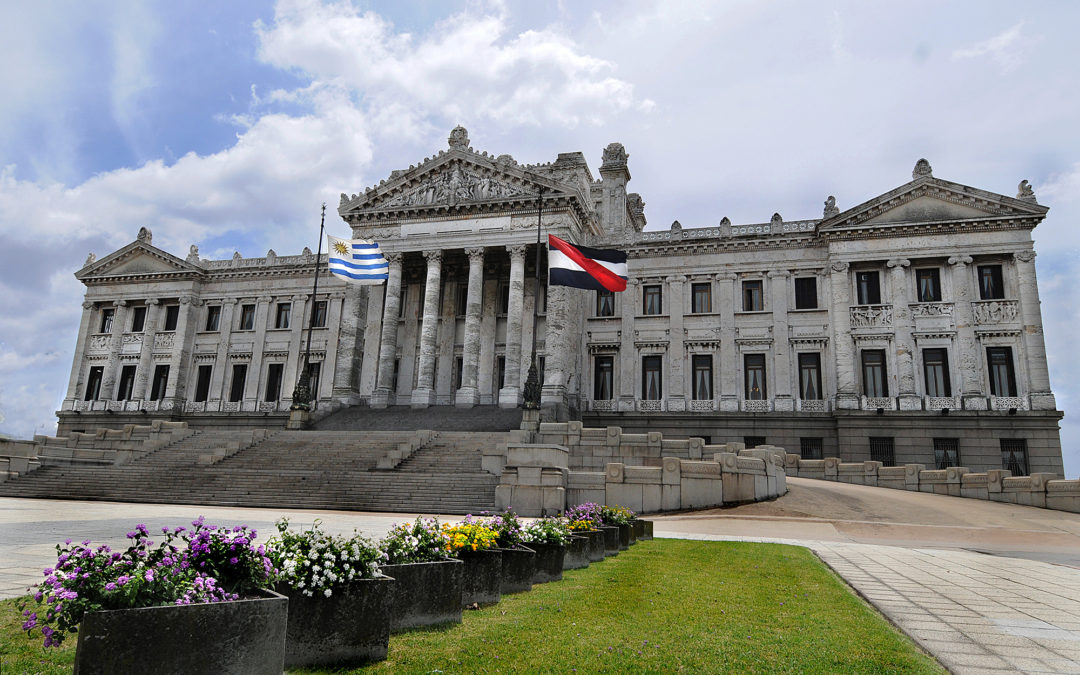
column 317, row 469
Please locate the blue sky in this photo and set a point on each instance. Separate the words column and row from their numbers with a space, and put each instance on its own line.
column 227, row 124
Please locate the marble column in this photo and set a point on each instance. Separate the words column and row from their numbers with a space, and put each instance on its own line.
column 221, row 363
column 783, row 401
column 184, row 341
column 73, row 392
column 905, row 348
column 469, row 394
column 258, row 344
column 847, row 393
column 969, row 359
column 730, row 389
column 146, row 351
column 510, row 394
column 380, row 398
column 424, row 394
column 676, row 393
column 558, row 365
column 369, row 367
column 116, row 337
column 628, row 358
column 1038, row 377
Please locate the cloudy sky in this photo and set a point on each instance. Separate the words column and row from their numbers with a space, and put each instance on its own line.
column 227, row 124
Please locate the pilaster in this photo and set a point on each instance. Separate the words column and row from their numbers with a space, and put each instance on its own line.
column 295, row 360
column 677, row 394
column 729, row 354
column 1038, row 376
column 847, row 396
column 905, row 361
column 221, row 362
column 181, row 355
column 328, row 370
column 469, row 395
column 116, row 336
column 969, row 358
column 778, row 299
column 510, row 394
column 628, row 356
column 380, row 398
column 80, row 351
column 424, row 394
column 146, row 351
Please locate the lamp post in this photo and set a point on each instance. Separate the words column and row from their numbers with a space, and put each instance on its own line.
column 301, row 397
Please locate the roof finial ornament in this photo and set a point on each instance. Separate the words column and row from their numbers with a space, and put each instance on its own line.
column 90, row 259
column 459, row 138
column 776, row 220
column 830, row 207
column 922, row 170
column 145, row 235
column 676, row 229
column 193, row 254
column 1024, row 192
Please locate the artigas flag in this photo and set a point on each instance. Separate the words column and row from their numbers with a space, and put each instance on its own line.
column 357, row 260
column 583, row 267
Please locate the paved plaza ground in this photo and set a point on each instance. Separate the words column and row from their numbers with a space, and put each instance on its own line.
column 980, row 585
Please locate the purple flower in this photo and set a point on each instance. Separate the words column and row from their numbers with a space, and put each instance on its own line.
column 149, row 575
column 111, row 586
column 233, row 561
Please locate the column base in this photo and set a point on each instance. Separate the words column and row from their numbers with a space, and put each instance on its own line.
column 380, row 398
column 847, row 402
column 509, row 397
column 422, row 398
column 553, row 404
column 530, row 420
column 467, row 397
column 298, row 420
column 910, row 402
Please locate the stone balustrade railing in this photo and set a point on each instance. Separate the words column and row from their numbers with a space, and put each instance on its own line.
column 1044, row 490
column 109, row 446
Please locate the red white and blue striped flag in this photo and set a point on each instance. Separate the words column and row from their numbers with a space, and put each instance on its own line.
column 583, row 267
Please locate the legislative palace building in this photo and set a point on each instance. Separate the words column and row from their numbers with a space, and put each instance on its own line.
column 906, row 328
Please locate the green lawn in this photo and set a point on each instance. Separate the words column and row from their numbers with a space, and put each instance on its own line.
column 664, row 605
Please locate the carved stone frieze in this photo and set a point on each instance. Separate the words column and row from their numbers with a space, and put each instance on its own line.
column 454, row 187
column 994, row 311
column 931, row 309
column 871, row 316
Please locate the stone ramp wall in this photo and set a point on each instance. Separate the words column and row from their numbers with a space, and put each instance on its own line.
column 1044, row 490
column 642, row 472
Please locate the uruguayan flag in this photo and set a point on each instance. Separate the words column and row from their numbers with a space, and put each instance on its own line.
column 357, row 260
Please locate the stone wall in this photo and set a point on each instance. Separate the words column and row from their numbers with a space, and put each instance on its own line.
column 1041, row 489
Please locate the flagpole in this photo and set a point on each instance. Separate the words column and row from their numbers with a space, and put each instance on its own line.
column 302, row 396
column 532, row 383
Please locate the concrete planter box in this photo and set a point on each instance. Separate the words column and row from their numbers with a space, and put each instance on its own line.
column 425, row 594
column 611, row 539
column 481, row 577
column 349, row 628
column 626, row 536
column 647, row 528
column 518, row 566
column 577, row 552
column 246, row 636
column 639, row 528
column 548, row 562
column 597, row 547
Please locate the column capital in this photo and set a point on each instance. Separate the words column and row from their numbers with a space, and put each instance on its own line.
column 393, row 258
column 960, row 260
column 190, row 300
column 1024, row 256
column 727, row 276
column 516, row 250
column 476, row 255
column 779, row 274
column 264, row 299
column 299, row 298
column 632, row 282
column 153, row 301
column 120, row 303
column 433, row 257
column 229, row 301
column 898, row 263
column 839, row 266
column 676, row 278
column 87, row 304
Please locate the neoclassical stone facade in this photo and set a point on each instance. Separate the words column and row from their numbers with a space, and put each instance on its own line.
column 906, row 328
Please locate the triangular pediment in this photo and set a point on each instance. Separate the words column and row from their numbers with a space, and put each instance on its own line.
column 137, row 259
column 932, row 200
column 456, row 178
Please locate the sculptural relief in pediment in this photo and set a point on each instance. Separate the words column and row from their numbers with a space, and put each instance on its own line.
column 455, row 186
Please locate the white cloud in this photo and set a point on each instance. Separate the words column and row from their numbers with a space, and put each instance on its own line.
column 1008, row 48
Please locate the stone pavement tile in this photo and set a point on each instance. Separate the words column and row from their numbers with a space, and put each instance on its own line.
column 1054, row 665
column 948, row 635
column 952, row 647
column 995, row 637
column 974, row 660
column 1025, row 664
column 970, row 670
column 925, row 625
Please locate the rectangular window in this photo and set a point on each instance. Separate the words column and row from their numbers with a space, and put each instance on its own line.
column 868, row 288
column 703, row 380
column 213, row 318
column 991, row 286
column 461, row 299
column 172, row 316
column 504, row 298
column 314, row 371
column 93, row 383
column 754, row 371
column 753, row 441
column 806, row 293
column 318, row 320
column 810, row 448
column 810, row 376
column 1014, row 455
column 652, row 299
column 701, row 298
column 281, row 319
column 752, row 300
column 500, row 368
column 161, row 380
column 882, row 450
column 202, row 383
column 604, row 377
column 138, row 319
column 928, row 284
column 459, row 366
column 247, row 317
column 946, row 452
column 936, row 371
column 127, row 383
column 875, row 382
column 605, row 303
column 273, row 381
column 1002, row 376
column 107, row 315
column 652, row 383
column 239, row 377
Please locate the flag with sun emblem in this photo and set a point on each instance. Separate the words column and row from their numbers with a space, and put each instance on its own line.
column 357, row 260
